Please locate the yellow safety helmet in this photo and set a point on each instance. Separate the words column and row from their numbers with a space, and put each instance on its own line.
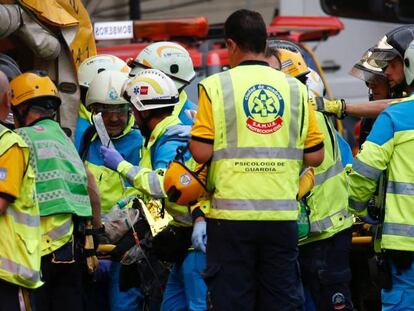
column 291, row 59
column 182, row 185
column 292, row 63
column 32, row 85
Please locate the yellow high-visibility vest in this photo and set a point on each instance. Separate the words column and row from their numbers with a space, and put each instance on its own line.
column 20, row 225
column 260, row 126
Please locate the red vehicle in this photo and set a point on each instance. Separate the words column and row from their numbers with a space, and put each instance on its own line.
column 206, row 44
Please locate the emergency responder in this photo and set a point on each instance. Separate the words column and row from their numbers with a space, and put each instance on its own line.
column 104, row 95
column 61, row 185
column 365, row 286
column 249, row 124
column 378, row 88
column 324, row 254
column 175, row 61
column 389, row 148
column 153, row 96
column 388, row 55
column 19, row 216
column 87, row 70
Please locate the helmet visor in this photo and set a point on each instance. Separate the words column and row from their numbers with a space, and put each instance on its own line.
column 367, row 73
column 382, row 53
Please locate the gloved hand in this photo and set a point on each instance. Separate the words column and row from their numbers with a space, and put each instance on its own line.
column 179, row 130
column 369, row 220
column 111, row 157
column 334, row 107
column 199, row 236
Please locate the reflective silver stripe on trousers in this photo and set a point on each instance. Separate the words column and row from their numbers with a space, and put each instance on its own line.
column 366, row 170
column 18, row 269
column 60, row 231
column 330, row 172
column 258, row 153
column 255, row 205
column 154, row 185
column 22, row 218
column 132, row 173
column 398, row 229
column 358, row 206
column 229, row 108
column 326, row 223
column 294, row 111
column 397, row 187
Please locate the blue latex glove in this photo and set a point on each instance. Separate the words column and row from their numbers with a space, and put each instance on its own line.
column 199, row 236
column 179, row 130
column 369, row 220
column 111, row 157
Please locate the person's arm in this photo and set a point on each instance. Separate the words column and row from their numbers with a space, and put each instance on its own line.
column 12, row 168
column 314, row 158
column 367, row 109
column 339, row 108
column 151, row 181
column 369, row 164
column 202, row 152
column 202, row 133
column 314, row 149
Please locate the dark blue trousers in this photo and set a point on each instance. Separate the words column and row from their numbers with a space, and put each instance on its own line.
column 326, row 272
column 13, row 297
column 252, row 265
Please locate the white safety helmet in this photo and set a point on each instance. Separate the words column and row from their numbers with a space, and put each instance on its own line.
column 409, row 63
column 91, row 66
column 151, row 89
column 106, row 88
column 314, row 83
column 169, row 57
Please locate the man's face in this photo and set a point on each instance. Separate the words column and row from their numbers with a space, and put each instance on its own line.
column 5, row 96
column 115, row 117
column 137, row 115
column 5, row 104
column 379, row 88
column 394, row 72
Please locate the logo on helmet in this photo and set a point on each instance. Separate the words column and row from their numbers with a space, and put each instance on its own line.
column 112, row 94
column 185, row 179
column 136, row 90
column 264, row 107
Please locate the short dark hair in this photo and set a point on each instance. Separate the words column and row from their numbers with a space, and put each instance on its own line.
column 247, row 29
